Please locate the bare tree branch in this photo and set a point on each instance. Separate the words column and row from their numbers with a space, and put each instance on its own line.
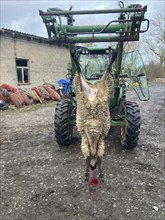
column 155, row 42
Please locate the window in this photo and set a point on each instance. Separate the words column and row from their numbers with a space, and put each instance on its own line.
column 22, row 71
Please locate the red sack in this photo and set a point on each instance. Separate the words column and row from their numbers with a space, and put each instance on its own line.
column 25, row 98
column 8, row 87
column 53, row 95
column 2, row 97
column 35, row 88
column 20, row 97
column 57, row 96
column 14, row 99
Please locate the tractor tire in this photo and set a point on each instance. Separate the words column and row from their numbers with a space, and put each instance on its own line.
column 129, row 134
column 3, row 105
column 63, row 131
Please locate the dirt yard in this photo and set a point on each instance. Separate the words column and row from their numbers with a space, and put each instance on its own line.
column 40, row 181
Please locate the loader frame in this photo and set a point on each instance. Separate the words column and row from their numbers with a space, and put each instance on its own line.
column 126, row 28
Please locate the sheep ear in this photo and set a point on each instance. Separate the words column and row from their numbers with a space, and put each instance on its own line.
column 114, row 56
column 89, row 92
column 85, row 86
column 75, row 59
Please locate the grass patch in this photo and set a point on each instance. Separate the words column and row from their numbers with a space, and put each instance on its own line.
column 25, row 108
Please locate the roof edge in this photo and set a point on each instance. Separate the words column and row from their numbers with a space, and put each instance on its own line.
column 18, row 34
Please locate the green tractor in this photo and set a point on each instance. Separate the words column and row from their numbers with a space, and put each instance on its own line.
column 128, row 69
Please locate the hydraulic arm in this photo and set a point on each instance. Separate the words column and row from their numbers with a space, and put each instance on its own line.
column 126, row 28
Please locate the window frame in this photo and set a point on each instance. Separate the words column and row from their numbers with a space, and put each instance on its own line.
column 22, row 68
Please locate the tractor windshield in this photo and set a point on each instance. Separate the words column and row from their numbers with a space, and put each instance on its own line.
column 133, row 67
column 94, row 65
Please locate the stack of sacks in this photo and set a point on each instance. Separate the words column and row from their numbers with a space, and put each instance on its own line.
column 27, row 96
column 14, row 96
column 46, row 93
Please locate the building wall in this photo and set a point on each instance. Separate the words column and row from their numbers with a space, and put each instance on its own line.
column 46, row 62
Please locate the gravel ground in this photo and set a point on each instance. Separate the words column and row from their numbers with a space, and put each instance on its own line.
column 40, row 181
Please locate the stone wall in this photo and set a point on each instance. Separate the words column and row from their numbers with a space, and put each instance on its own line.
column 45, row 61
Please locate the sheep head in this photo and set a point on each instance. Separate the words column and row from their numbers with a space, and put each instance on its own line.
column 93, row 129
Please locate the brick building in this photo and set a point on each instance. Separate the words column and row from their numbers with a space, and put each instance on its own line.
column 28, row 60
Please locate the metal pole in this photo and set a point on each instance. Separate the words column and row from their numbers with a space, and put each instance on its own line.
column 94, row 39
column 78, row 12
column 95, row 28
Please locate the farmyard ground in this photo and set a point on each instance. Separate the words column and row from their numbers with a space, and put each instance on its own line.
column 40, row 181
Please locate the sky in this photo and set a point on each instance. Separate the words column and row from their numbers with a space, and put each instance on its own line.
column 24, row 16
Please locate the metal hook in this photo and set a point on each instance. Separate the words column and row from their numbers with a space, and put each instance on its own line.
column 121, row 4
column 70, row 9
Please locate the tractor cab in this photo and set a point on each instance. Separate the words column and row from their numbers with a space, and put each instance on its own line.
column 94, row 63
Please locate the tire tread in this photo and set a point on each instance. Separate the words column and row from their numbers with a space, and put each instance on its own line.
column 132, row 129
column 61, row 123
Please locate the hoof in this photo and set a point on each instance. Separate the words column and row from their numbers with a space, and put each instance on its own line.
column 101, row 177
column 86, row 177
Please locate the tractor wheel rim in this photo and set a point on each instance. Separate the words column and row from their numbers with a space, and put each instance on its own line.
column 122, row 132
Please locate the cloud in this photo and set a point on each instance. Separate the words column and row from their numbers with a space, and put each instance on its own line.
column 16, row 25
column 24, row 16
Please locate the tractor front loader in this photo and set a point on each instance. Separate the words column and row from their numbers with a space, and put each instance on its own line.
column 128, row 68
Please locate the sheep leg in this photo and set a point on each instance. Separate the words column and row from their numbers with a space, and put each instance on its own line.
column 101, row 176
column 85, row 151
column 88, row 160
